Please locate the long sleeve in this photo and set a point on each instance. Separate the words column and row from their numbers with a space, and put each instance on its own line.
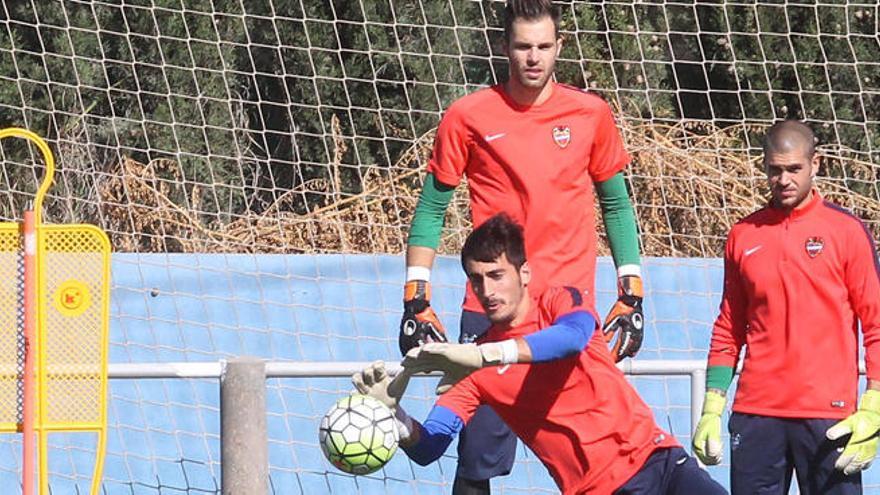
column 728, row 334
column 620, row 220
column 862, row 277
column 435, row 435
column 568, row 335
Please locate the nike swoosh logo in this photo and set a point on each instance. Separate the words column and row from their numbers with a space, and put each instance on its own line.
column 752, row 251
column 502, row 369
column 492, row 137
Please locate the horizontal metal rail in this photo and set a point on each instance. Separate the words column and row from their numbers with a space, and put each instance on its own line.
column 341, row 369
column 694, row 368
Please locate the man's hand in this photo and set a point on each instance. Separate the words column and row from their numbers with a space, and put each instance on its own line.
column 862, row 426
column 375, row 381
column 626, row 319
column 456, row 361
column 707, row 438
column 419, row 324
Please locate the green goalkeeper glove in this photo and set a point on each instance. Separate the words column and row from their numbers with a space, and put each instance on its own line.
column 862, row 426
column 707, row 438
column 457, row 361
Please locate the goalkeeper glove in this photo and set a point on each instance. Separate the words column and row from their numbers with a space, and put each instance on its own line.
column 862, row 426
column 419, row 324
column 375, row 381
column 457, row 361
column 625, row 318
column 707, row 437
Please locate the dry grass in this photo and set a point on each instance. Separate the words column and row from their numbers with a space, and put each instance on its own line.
column 690, row 181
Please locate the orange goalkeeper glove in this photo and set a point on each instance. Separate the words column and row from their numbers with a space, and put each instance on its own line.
column 419, row 324
column 626, row 319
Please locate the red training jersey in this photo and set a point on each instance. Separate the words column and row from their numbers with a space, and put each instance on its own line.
column 537, row 164
column 579, row 415
column 795, row 287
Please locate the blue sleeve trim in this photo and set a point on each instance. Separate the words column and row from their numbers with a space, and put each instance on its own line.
column 568, row 335
column 576, row 298
column 864, row 229
column 435, row 436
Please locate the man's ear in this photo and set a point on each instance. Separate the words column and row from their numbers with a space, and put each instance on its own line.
column 525, row 273
column 814, row 165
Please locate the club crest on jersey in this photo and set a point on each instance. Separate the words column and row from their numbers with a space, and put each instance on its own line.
column 814, row 246
column 562, row 135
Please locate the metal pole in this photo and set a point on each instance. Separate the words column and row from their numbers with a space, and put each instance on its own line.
column 29, row 410
column 698, row 393
column 243, row 439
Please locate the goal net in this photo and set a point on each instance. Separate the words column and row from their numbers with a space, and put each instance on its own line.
column 256, row 165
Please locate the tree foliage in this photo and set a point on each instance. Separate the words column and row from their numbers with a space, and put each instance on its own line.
column 256, row 99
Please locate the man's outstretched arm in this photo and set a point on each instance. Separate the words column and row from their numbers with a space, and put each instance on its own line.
column 569, row 334
column 424, row 442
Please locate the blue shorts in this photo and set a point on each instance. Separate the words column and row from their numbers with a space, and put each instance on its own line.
column 764, row 451
column 486, row 446
column 671, row 472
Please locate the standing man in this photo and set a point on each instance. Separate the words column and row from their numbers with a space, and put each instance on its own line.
column 535, row 150
column 575, row 409
column 799, row 277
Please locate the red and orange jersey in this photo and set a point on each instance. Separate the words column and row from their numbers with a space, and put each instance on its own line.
column 795, row 288
column 538, row 164
column 578, row 415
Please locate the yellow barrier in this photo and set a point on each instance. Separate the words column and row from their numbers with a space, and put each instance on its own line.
column 64, row 290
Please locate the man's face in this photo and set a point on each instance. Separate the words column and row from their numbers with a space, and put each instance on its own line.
column 500, row 287
column 790, row 175
column 532, row 50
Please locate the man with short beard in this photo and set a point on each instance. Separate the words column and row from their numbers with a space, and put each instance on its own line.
column 534, row 149
column 800, row 276
column 545, row 369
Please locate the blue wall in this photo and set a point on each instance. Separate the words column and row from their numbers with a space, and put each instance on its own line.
column 164, row 434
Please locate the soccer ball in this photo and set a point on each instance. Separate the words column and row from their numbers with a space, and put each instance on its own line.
column 358, row 434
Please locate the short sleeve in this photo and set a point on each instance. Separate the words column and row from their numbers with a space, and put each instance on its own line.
column 463, row 398
column 558, row 301
column 451, row 148
column 608, row 156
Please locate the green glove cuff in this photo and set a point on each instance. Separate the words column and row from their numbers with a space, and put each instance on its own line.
column 719, row 377
column 714, row 403
column 870, row 401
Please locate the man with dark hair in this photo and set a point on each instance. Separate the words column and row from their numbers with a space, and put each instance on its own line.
column 548, row 374
column 536, row 150
column 498, row 235
column 534, row 10
column 799, row 276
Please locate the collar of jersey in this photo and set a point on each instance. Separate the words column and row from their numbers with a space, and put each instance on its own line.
column 528, row 326
column 799, row 213
column 526, row 108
